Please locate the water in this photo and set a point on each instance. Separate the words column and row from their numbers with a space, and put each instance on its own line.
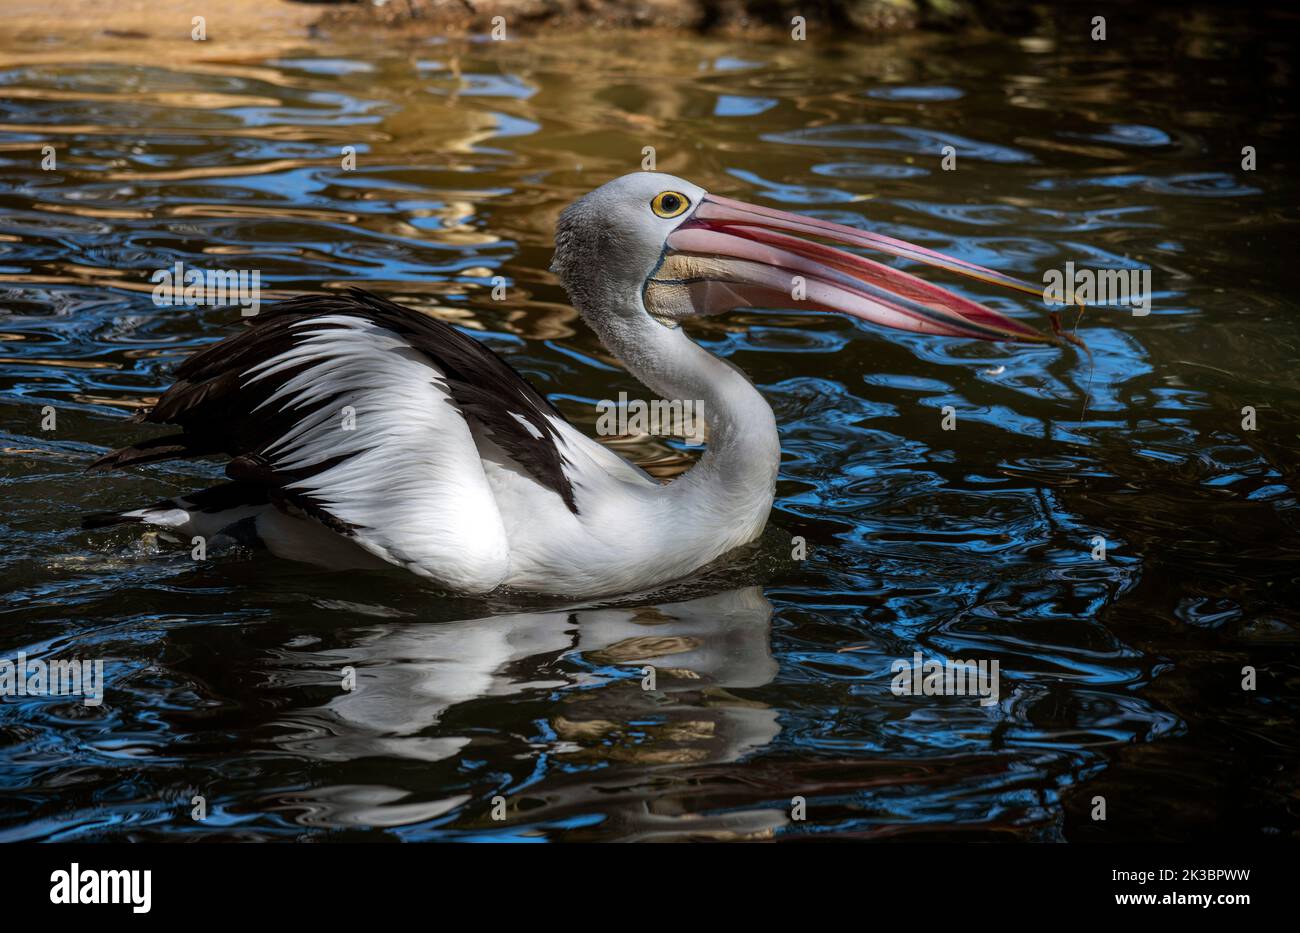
column 1119, row 677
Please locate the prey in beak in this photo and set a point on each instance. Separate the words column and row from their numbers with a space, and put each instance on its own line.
column 728, row 254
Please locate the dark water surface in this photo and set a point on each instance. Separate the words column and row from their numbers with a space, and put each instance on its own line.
column 1120, row 677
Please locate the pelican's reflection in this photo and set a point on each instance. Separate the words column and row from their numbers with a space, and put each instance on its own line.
column 409, row 675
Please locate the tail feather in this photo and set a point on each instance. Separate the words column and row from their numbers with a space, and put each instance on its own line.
column 218, row 502
column 159, row 448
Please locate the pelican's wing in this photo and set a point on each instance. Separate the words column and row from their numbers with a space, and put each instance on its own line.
column 361, row 414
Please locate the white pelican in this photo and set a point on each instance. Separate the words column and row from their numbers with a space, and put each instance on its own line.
column 361, row 433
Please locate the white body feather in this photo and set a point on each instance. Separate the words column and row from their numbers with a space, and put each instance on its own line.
column 428, row 490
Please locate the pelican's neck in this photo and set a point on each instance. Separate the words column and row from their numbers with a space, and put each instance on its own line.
column 729, row 491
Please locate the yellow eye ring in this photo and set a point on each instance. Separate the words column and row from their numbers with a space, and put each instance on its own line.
column 670, row 204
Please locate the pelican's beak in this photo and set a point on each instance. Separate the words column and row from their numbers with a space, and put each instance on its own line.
column 735, row 255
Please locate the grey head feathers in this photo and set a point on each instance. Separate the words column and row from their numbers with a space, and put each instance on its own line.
column 610, row 241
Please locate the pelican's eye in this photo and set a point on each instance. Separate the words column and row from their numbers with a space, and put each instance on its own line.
column 669, row 204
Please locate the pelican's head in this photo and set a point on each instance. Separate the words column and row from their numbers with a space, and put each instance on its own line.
column 657, row 245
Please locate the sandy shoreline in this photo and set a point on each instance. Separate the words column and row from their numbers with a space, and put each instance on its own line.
column 166, row 29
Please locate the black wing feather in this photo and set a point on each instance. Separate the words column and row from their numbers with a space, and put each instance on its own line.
column 216, row 409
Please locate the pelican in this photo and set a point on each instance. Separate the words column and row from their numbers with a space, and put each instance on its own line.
column 362, row 434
